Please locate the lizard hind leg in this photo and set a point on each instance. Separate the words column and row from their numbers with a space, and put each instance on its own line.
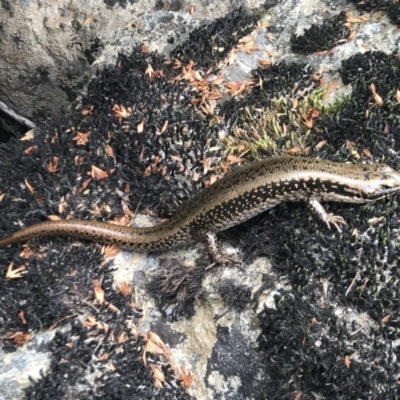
column 213, row 249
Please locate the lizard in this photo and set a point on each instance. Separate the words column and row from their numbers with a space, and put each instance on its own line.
column 238, row 196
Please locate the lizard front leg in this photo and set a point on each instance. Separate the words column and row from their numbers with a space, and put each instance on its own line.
column 317, row 209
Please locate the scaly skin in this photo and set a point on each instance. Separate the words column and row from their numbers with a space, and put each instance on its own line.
column 235, row 198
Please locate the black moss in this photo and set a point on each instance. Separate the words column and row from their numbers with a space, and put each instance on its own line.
column 390, row 7
column 176, row 287
column 51, row 288
column 74, row 354
column 322, row 360
column 305, row 346
column 281, row 80
column 121, row 3
column 210, row 43
column 393, row 12
column 235, row 296
column 321, row 37
column 360, row 119
column 93, row 51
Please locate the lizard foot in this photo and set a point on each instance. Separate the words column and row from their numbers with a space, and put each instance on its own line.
column 335, row 220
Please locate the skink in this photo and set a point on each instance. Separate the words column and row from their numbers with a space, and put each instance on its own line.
column 235, row 198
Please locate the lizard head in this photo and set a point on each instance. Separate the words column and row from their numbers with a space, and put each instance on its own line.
column 385, row 180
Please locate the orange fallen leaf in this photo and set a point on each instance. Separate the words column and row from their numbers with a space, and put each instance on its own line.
column 125, row 288
column 28, row 136
column 367, row 153
column 122, row 338
column 82, row 138
column 294, row 150
column 31, row 149
column 52, row 165
column 111, row 366
column 98, row 291
column 144, row 48
column 20, row 338
column 29, row 186
column 103, row 357
column 87, row 110
column 120, row 111
column 331, row 86
column 155, row 345
column 98, row 173
column 320, row 144
column 264, row 62
column 272, row 53
column 186, row 376
column 21, row 316
column 158, row 375
column 234, row 160
column 149, row 72
column 140, row 126
column 377, row 98
column 88, row 20
column 164, row 127
column 91, row 321
column 397, row 95
column 386, row 318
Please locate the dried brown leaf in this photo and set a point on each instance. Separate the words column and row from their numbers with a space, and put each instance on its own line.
column 321, row 144
column 122, row 338
column 144, row 48
column 397, row 96
column 82, row 138
column 155, row 345
column 377, row 98
column 294, row 150
column 367, row 153
column 29, row 186
column 234, row 160
column 109, row 150
column 158, row 375
column 31, row 149
column 87, row 110
column 186, row 377
column 20, row 338
column 272, row 53
column 331, row 86
column 120, row 111
column 52, row 165
column 88, row 20
column 140, row 126
column 21, row 316
column 264, row 62
column 98, row 291
column 28, row 136
column 103, row 357
column 98, row 173
column 386, row 319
